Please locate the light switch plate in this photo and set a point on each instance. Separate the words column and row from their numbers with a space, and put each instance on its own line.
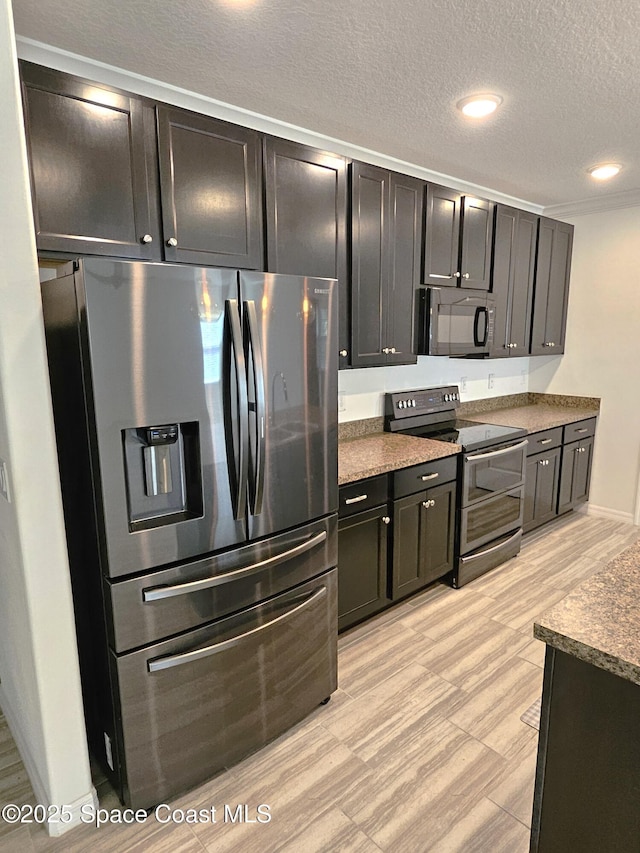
column 4, row 481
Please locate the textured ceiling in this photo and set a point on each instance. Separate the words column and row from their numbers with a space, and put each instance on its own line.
column 386, row 74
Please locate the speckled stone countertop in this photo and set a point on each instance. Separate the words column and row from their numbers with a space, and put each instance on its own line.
column 533, row 412
column 378, row 453
column 599, row 622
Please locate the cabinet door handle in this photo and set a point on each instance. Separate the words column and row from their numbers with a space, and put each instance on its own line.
column 146, row 238
column 545, row 440
column 465, row 275
column 428, row 504
column 426, row 477
column 356, row 500
column 385, row 519
column 343, row 353
column 172, row 242
column 456, row 275
column 392, row 350
column 385, row 350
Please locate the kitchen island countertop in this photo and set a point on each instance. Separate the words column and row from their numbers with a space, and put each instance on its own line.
column 599, row 621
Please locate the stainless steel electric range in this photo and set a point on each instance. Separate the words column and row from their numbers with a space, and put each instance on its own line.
column 490, row 480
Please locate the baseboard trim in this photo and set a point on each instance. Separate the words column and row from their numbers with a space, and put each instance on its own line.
column 606, row 512
column 75, row 808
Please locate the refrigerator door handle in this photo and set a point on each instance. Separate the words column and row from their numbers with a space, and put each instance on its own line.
column 256, row 489
column 198, row 654
column 242, row 407
column 160, row 592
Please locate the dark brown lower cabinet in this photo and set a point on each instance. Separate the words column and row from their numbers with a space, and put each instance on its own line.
column 588, row 772
column 575, row 474
column 541, row 488
column 423, row 538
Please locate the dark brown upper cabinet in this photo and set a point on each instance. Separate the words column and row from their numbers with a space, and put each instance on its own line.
column 93, row 167
column 306, row 215
column 512, row 277
column 458, row 239
column 210, row 186
column 386, row 224
column 551, row 292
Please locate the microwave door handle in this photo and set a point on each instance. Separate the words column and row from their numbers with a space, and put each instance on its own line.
column 253, row 343
column 477, row 342
column 241, row 460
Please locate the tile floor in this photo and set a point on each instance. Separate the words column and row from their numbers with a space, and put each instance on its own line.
column 421, row 749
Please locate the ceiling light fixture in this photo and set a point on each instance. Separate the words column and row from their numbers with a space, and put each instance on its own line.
column 604, row 171
column 479, row 106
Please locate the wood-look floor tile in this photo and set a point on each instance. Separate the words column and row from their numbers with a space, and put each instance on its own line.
column 534, row 652
column 449, row 608
column 565, row 574
column 329, row 832
column 492, row 711
column 364, row 664
column 296, row 777
column 16, row 841
column 519, row 608
column 609, row 546
column 514, row 791
column 391, row 715
column 373, row 624
column 485, row 828
column 417, row 795
column 472, row 651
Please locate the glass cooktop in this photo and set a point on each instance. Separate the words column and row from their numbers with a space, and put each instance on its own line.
column 470, row 435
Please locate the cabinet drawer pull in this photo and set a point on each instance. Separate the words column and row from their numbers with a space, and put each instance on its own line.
column 426, row 477
column 545, row 440
column 357, row 499
column 582, row 429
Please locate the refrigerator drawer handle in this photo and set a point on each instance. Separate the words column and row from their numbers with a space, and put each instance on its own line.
column 198, row 654
column 489, row 453
column 160, row 592
column 493, row 548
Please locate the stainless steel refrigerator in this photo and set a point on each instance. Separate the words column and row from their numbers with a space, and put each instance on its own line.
column 196, row 420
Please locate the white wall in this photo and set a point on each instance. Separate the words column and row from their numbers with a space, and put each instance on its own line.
column 603, row 351
column 361, row 391
column 39, row 678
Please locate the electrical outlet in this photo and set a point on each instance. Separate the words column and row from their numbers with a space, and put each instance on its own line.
column 341, row 403
column 463, row 383
column 491, row 380
column 4, row 481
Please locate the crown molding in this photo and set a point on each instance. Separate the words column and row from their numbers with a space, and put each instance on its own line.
column 598, row 204
column 100, row 72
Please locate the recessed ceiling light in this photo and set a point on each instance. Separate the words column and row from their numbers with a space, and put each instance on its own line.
column 478, row 106
column 604, row 171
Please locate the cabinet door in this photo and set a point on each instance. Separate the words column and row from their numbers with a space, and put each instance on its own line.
column 93, row 166
column 362, row 565
column 541, row 488
column 475, row 246
column 405, row 250
column 423, row 535
column 306, row 209
column 513, row 267
column 553, row 266
column 442, row 236
column 369, row 263
column 210, row 181
column 575, row 475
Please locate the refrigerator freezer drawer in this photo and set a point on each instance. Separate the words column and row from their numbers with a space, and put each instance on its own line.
column 200, row 702
column 156, row 605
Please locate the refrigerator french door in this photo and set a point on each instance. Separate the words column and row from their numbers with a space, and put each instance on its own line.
column 196, row 419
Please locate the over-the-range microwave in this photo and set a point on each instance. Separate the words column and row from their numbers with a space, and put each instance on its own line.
column 454, row 321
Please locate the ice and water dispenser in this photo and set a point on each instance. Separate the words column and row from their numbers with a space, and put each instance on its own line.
column 163, row 474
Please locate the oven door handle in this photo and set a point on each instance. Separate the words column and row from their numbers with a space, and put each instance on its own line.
column 159, row 592
column 493, row 547
column 223, row 645
column 488, row 454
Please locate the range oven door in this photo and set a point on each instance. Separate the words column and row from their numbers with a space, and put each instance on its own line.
column 454, row 322
column 485, row 521
column 490, row 472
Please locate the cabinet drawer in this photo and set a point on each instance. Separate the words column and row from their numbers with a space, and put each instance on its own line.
column 546, row 440
column 407, row 481
column 362, row 495
column 580, row 430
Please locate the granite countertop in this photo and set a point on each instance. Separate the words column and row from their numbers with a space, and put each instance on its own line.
column 599, row 622
column 378, row 453
column 533, row 418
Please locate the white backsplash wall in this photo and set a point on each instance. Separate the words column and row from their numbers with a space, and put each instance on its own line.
column 361, row 392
